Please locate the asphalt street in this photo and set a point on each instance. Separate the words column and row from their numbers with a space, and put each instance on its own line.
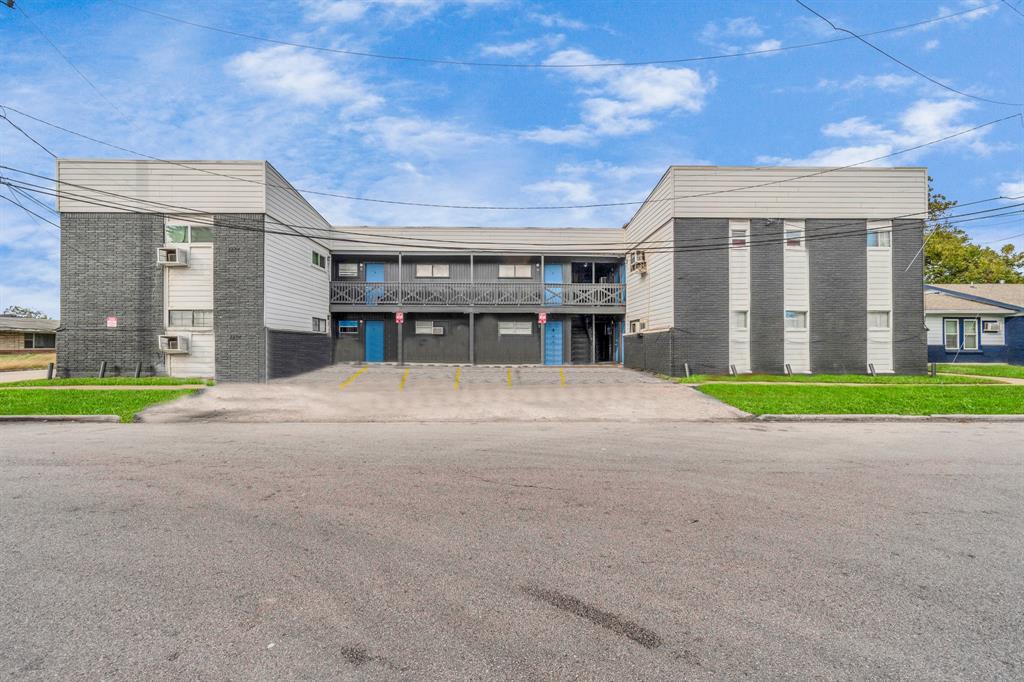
column 483, row 551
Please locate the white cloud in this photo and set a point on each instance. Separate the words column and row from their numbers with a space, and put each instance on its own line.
column 397, row 11
column 290, row 72
column 523, row 47
column 555, row 20
column 420, row 136
column 923, row 121
column 621, row 100
column 930, row 45
column 734, row 35
column 770, row 44
column 1012, row 189
column 565, row 191
column 885, row 81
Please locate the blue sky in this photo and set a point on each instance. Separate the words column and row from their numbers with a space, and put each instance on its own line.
column 456, row 134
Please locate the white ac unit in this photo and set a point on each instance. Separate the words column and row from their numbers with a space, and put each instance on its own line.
column 991, row 326
column 172, row 256
column 438, row 331
column 174, row 344
column 638, row 262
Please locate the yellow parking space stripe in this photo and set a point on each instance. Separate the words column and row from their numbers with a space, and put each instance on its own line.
column 401, row 384
column 352, row 378
column 508, row 377
column 458, row 377
column 561, row 375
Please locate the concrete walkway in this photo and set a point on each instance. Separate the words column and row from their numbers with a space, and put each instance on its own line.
column 22, row 375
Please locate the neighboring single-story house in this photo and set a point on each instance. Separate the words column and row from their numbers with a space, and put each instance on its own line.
column 27, row 335
column 975, row 322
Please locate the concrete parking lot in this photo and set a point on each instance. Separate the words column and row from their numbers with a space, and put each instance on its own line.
column 388, row 393
column 562, row 551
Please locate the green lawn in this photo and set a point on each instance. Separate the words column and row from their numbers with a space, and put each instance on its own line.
column 916, row 400
column 122, row 403
column 989, row 370
column 112, row 381
column 835, row 379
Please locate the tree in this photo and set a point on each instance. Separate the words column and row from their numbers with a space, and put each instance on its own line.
column 951, row 256
column 18, row 311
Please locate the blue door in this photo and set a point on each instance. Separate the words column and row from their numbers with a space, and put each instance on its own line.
column 373, row 331
column 553, row 342
column 553, row 294
column 374, row 274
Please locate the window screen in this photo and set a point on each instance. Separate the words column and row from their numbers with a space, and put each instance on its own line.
column 879, row 238
column 878, row 319
column 424, row 326
column 516, row 271
column 515, row 328
column 739, row 319
column 796, row 319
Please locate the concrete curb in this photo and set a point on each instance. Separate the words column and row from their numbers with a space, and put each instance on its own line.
column 89, row 418
column 890, row 418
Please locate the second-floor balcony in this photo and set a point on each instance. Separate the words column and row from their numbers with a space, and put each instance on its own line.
column 530, row 294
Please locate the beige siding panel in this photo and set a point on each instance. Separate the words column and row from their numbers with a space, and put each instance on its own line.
column 739, row 299
column 775, row 192
column 879, row 297
column 649, row 296
column 191, row 288
column 91, row 186
column 934, row 324
column 583, row 241
column 880, row 349
column 796, row 296
column 198, row 362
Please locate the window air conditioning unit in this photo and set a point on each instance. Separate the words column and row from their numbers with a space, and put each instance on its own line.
column 174, row 344
column 170, row 256
column 638, row 262
column 990, row 326
column 438, row 331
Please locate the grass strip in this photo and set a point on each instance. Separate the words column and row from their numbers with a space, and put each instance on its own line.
column 112, row 381
column 988, row 370
column 913, row 400
column 899, row 379
column 122, row 403
column 23, row 361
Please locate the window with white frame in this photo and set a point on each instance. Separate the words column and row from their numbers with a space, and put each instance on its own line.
column 739, row 319
column 738, row 238
column 348, row 269
column 515, row 327
column 796, row 319
column 432, row 270
column 182, row 233
column 951, row 334
column 970, row 334
column 990, row 326
column 424, row 326
column 190, row 318
column 346, row 327
column 794, row 238
column 515, row 271
column 879, row 237
column 637, row 326
column 878, row 319
column 319, row 260
column 319, row 324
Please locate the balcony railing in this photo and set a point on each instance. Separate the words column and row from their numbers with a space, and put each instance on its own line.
column 476, row 293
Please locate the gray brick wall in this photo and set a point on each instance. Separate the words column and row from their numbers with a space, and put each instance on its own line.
column 910, row 338
column 653, row 352
column 837, row 262
column 290, row 353
column 702, row 296
column 108, row 268
column 241, row 353
column 767, row 301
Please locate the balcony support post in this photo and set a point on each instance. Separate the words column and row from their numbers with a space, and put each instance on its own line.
column 399, row 278
column 472, row 338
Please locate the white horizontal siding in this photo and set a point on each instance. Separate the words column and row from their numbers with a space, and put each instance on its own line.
column 527, row 240
column 199, row 361
column 879, row 351
column 796, row 296
column 993, row 338
column 879, row 298
column 934, row 323
column 111, row 186
column 739, row 299
column 775, row 192
column 191, row 287
column 649, row 295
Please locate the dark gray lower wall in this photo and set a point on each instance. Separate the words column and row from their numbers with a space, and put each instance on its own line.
column 452, row 346
column 241, row 353
column 702, row 294
column 108, row 268
column 767, row 300
column 910, row 337
column 492, row 349
column 837, row 265
column 290, row 353
column 350, row 347
column 654, row 352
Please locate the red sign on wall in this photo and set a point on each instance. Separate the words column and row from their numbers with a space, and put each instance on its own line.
column 111, row 321
column 399, row 317
column 542, row 318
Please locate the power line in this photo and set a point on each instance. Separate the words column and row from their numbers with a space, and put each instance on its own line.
column 22, row 131
column 833, row 232
column 417, row 204
column 70, row 63
column 542, row 65
column 1012, row 8
column 904, row 64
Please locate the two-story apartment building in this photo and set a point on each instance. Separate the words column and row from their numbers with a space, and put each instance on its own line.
column 221, row 268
